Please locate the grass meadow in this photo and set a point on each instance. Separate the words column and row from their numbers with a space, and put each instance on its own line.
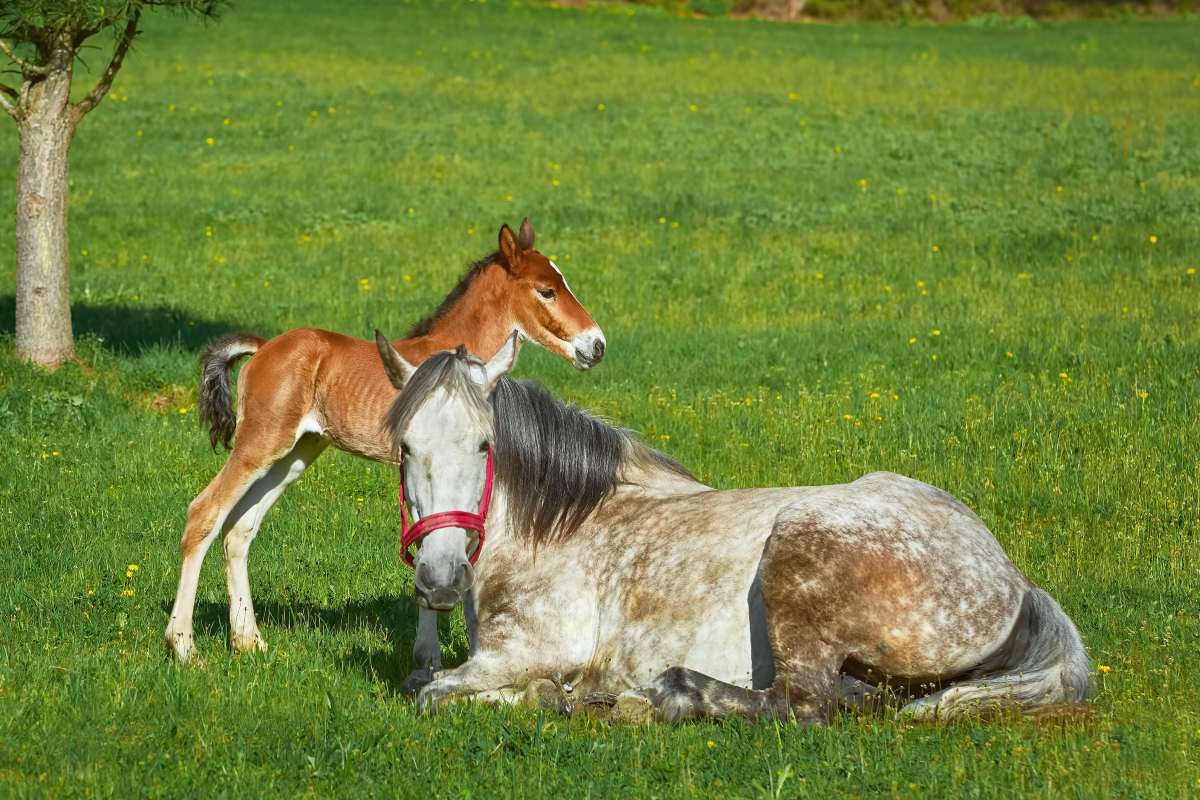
column 966, row 255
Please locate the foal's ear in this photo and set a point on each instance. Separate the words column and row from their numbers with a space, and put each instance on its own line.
column 398, row 370
column 526, row 237
column 501, row 363
column 510, row 251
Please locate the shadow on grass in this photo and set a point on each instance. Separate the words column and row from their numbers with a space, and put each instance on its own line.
column 396, row 616
column 132, row 329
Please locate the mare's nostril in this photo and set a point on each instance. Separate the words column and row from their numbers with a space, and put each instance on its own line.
column 466, row 577
column 419, row 579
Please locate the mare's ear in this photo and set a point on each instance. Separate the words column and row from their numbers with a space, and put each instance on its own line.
column 398, row 370
column 510, row 251
column 526, row 237
column 501, row 363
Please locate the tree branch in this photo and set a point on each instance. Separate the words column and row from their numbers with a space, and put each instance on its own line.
column 26, row 67
column 97, row 94
column 8, row 107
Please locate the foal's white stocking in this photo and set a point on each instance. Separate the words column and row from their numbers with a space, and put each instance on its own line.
column 179, row 635
column 242, row 526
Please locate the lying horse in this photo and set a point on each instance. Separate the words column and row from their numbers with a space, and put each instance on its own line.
column 307, row 389
column 608, row 563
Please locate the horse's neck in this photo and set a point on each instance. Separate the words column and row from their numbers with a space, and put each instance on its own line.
column 654, row 481
column 482, row 320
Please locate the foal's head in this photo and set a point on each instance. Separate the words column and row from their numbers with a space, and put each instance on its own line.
column 442, row 425
column 543, row 307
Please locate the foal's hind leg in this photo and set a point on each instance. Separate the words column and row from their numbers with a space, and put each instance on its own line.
column 240, row 528
column 206, row 515
column 256, row 455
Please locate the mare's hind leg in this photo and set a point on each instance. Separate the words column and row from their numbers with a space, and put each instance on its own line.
column 240, row 528
column 810, row 695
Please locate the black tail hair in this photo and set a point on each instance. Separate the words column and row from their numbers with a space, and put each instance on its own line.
column 216, row 390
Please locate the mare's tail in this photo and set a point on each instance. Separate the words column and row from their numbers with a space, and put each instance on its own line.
column 1054, row 670
column 216, row 390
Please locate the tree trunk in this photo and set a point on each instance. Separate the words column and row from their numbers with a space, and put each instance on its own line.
column 46, row 125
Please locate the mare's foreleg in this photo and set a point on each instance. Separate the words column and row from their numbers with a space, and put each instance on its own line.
column 427, row 652
column 492, row 677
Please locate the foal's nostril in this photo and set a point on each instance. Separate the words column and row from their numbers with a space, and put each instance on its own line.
column 598, row 351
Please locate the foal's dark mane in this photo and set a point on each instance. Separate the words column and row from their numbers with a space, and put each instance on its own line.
column 425, row 324
column 555, row 462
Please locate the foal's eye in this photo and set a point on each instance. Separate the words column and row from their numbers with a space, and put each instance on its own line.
column 546, row 293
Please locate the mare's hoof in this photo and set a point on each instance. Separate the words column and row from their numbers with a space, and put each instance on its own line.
column 633, row 708
column 417, row 680
column 546, row 693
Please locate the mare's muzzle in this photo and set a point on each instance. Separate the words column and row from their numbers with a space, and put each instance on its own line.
column 444, row 574
column 442, row 595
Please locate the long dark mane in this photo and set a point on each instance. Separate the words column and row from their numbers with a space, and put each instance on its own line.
column 555, row 462
column 425, row 324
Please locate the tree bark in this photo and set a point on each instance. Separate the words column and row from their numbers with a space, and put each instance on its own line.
column 46, row 125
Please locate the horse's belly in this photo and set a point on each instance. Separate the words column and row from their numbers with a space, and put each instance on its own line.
column 720, row 647
column 678, row 593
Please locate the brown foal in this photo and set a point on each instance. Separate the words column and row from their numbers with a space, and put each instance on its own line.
column 308, row 389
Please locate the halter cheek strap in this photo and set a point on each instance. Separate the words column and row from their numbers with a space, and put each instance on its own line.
column 411, row 533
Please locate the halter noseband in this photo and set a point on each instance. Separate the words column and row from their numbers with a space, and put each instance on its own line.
column 410, row 533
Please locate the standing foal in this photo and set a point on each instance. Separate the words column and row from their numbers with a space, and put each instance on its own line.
column 309, row 388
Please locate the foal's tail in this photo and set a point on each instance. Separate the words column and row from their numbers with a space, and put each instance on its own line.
column 216, row 391
column 1054, row 670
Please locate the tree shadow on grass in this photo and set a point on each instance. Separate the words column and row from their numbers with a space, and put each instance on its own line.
column 132, row 329
column 396, row 616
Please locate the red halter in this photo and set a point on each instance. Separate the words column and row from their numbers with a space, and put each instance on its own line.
column 409, row 534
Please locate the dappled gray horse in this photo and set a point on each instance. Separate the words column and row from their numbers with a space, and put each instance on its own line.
column 608, row 564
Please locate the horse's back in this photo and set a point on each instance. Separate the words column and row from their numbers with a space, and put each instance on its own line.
column 883, row 508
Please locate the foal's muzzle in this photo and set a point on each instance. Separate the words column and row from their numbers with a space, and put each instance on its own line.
column 589, row 348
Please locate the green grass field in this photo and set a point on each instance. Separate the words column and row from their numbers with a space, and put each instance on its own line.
column 964, row 255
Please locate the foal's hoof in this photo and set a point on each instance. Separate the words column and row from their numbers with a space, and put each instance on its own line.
column 417, row 680
column 633, row 708
column 247, row 644
column 184, row 651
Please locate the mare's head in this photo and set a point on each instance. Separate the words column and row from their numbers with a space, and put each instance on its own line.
column 543, row 307
column 442, row 425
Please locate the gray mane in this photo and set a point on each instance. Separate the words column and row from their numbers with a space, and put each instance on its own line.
column 555, row 462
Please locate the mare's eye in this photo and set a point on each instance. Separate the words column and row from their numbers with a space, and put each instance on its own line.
column 483, row 448
column 546, row 293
